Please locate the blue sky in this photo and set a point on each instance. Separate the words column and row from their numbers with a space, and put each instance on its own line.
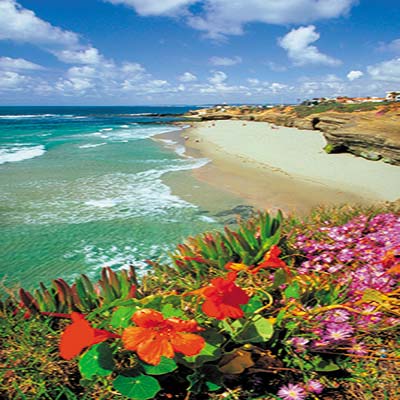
column 135, row 52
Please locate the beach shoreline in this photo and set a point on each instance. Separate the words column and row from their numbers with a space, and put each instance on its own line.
column 276, row 168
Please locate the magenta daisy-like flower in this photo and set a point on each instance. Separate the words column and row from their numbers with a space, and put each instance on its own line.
column 338, row 332
column 292, row 392
column 315, row 387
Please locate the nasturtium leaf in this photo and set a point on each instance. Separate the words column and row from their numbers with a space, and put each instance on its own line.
column 209, row 353
column 169, row 311
column 253, row 305
column 140, row 387
column 207, row 378
column 236, row 362
column 326, row 366
column 212, row 387
column 166, row 365
column 97, row 361
column 280, row 277
column 292, row 291
column 260, row 330
column 121, row 318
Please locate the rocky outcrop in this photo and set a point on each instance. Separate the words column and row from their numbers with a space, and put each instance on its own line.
column 374, row 135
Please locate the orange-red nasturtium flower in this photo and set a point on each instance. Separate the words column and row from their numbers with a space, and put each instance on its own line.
column 271, row 260
column 223, row 298
column 154, row 336
column 79, row 335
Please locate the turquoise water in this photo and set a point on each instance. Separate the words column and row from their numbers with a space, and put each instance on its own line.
column 81, row 188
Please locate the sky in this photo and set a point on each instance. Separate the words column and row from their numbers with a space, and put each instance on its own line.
column 174, row 52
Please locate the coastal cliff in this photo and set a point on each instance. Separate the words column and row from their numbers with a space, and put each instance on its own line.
column 369, row 130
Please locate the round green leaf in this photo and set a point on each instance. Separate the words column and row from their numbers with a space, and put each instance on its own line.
column 141, row 387
column 97, row 360
column 209, row 353
column 258, row 331
column 121, row 318
column 166, row 365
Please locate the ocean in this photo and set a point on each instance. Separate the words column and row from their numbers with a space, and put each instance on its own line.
column 82, row 188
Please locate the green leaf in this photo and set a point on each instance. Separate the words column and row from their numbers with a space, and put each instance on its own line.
column 326, row 366
column 293, row 291
column 212, row 387
column 141, row 387
column 166, row 365
column 97, row 361
column 258, row 331
column 121, row 318
column 206, row 378
column 210, row 352
column 169, row 311
column 253, row 305
column 280, row 277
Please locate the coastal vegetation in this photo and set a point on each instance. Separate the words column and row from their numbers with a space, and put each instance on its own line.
column 278, row 308
column 304, row 111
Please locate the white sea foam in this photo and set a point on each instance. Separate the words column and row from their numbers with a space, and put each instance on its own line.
column 19, row 153
column 89, row 146
column 124, row 126
column 113, row 196
column 106, row 129
column 22, row 116
column 104, row 203
column 121, row 257
column 205, row 218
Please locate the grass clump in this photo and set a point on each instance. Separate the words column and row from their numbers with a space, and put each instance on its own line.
column 277, row 308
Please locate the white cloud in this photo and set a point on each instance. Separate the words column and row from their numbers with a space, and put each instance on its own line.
column 253, row 81
column 10, row 80
column 228, row 17
column 187, row 77
column 386, row 71
column 19, row 24
column 218, row 77
column 276, row 67
column 353, row 75
column 18, row 64
column 155, row 7
column 393, row 46
column 22, row 25
column 277, row 87
column 297, row 43
column 88, row 56
column 225, row 61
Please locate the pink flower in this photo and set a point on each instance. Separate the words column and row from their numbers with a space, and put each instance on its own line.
column 338, row 332
column 314, row 387
column 292, row 392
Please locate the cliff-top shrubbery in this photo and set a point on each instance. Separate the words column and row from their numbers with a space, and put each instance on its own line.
column 276, row 309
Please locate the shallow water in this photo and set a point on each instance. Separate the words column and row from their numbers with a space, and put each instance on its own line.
column 83, row 187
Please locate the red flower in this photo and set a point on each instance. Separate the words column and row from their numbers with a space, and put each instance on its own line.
column 223, row 298
column 80, row 335
column 271, row 260
column 153, row 336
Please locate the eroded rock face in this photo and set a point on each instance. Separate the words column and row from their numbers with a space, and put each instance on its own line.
column 374, row 135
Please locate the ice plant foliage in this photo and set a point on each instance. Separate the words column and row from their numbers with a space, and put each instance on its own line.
column 223, row 298
column 154, row 336
column 80, row 335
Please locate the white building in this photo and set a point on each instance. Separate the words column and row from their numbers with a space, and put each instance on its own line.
column 393, row 96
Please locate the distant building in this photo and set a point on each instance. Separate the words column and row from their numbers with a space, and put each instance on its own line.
column 393, row 96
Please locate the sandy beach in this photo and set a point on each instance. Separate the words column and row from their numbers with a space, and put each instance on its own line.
column 280, row 167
